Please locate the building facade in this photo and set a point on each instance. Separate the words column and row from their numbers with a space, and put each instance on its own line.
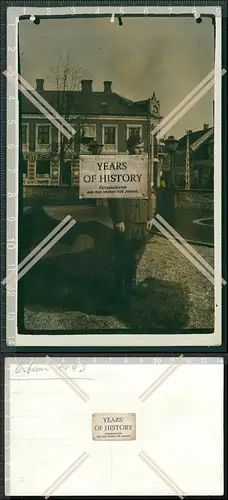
column 172, row 154
column 201, row 159
column 105, row 117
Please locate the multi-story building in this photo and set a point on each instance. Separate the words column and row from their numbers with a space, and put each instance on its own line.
column 105, row 116
column 201, row 159
column 172, row 155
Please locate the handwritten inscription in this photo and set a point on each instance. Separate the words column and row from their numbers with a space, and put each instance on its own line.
column 28, row 368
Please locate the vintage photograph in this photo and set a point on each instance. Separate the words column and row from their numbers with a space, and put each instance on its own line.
column 117, row 174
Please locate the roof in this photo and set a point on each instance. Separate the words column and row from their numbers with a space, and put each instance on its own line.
column 92, row 103
column 203, row 139
column 201, row 153
column 193, row 136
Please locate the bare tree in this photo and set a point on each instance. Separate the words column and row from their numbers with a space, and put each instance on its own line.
column 66, row 76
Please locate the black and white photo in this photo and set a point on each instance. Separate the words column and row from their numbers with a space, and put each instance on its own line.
column 118, row 120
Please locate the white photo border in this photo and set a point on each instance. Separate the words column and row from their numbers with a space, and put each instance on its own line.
column 13, row 338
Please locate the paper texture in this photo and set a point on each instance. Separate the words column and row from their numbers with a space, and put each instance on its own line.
column 179, row 427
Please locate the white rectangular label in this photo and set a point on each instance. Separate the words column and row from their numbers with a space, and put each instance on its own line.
column 114, row 426
column 113, row 176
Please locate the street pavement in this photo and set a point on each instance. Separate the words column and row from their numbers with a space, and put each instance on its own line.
column 187, row 225
column 71, row 288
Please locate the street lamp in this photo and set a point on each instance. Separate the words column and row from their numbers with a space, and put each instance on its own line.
column 171, row 146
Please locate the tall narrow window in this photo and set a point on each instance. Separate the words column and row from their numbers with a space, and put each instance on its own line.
column 43, row 135
column 134, row 130
column 25, row 137
column 109, row 137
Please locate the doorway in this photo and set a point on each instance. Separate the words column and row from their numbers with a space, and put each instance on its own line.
column 66, row 173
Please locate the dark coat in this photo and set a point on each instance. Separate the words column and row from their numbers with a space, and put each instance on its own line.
column 132, row 210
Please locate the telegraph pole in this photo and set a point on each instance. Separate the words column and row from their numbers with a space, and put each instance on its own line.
column 187, row 163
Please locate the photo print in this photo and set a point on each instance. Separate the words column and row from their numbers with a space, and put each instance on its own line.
column 119, row 128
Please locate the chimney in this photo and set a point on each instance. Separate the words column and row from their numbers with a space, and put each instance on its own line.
column 87, row 85
column 107, row 87
column 39, row 85
column 189, row 132
column 205, row 126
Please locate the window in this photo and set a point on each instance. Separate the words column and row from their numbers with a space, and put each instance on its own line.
column 25, row 137
column 195, row 176
column 134, row 130
column 24, row 167
column 43, row 135
column 24, row 134
column 180, row 179
column 42, row 168
column 211, row 151
column 205, row 180
column 89, row 131
column 109, row 137
column 195, row 180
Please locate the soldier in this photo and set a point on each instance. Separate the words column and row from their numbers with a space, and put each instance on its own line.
column 132, row 219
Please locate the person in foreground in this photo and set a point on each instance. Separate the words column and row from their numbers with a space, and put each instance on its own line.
column 132, row 219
